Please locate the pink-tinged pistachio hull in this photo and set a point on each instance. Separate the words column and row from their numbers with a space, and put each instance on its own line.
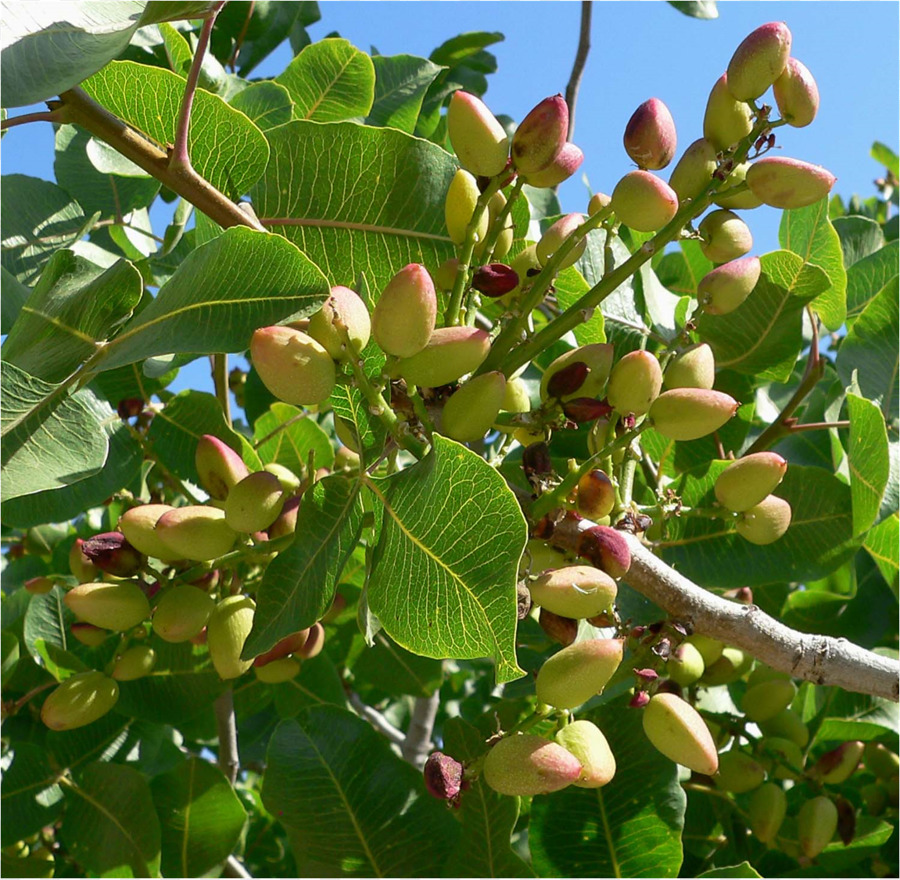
column 695, row 367
column 796, row 94
column 789, row 183
column 644, row 202
column 451, row 352
column 575, row 674
column 724, row 236
column 292, row 365
column 588, row 744
column 766, row 522
column 218, row 466
column 196, row 532
column 566, row 163
column 541, row 135
column 694, row 170
column 726, row 120
column 676, row 729
column 470, row 411
column 691, row 413
column 554, row 237
column 606, row 549
column 650, row 138
column 343, row 316
column 139, row 527
column 406, row 312
column 726, row 287
column 759, row 60
column 749, row 480
column 526, row 764
column 576, row 591
column 478, row 139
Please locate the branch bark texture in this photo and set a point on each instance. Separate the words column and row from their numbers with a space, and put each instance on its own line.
column 418, row 743
column 581, row 56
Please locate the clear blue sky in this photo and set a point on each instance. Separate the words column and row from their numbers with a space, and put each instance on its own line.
column 638, row 50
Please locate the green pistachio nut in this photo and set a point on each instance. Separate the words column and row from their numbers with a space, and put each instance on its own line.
column 733, row 663
column 880, row 761
column 695, row 367
column 81, row 567
column 598, row 357
column 874, row 797
column 726, row 120
column 710, row 649
column 478, row 139
column 406, row 312
column 595, row 495
column 787, row 724
column 525, row 764
column 694, row 170
column 182, row 613
column 685, row 665
column 289, row 481
column 117, row 606
column 725, row 288
column 724, row 236
column 691, row 413
column 588, row 744
column 79, row 700
column 196, row 532
column 749, row 480
column 575, row 674
column 650, row 138
column 88, row 634
column 227, row 630
column 553, row 238
column 292, row 365
column 759, row 60
column 738, row 201
column 451, row 352
column 516, row 398
column 676, row 729
column 278, row 671
column 459, row 207
column 139, row 527
column 343, row 316
column 816, row 823
column 576, row 591
column 839, row 764
column 796, row 94
column 541, row 135
column 598, row 202
column 134, row 663
column 789, row 183
column 470, row 411
column 634, row 383
column 567, row 161
column 766, row 522
column 781, row 757
column 539, row 556
column 644, row 202
column 739, row 772
column 254, row 503
column 767, row 809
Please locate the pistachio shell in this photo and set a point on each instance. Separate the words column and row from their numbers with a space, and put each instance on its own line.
column 292, row 365
column 643, row 201
column 588, row 744
column 691, row 413
column 695, row 367
column 575, row 674
column 406, row 312
column 675, row 728
column 117, row 606
column 470, row 411
column 726, row 120
column 576, row 591
column 634, row 383
column 759, row 60
column 789, row 183
column 796, row 94
column 725, row 288
column 79, row 700
column 526, row 764
column 598, row 202
column 747, row 481
column 451, row 352
column 694, row 170
column 478, row 139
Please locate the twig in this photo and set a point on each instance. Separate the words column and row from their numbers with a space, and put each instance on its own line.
column 376, row 719
column 581, row 54
column 239, row 42
column 417, row 743
column 233, row 868
column 41, row 116
column 220, row 381
column 229, row 758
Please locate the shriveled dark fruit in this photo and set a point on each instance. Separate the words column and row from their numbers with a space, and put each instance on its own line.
column 443, row 776
column 112, row 553
column 495, row 279
column 606, row 549
column 598, row 358
column 527, row 764
column 650, row 138
column 676, row 729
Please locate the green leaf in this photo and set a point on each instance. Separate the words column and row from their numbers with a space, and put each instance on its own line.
column 36, row 218
column 808, row 233
column 330, row 81
column 681, row 271
column 73, row 306
column 867, row 277
column 881, row 544
column 286, row 435
column 219, row 294
column 744, row 869
column 156, row 11
column 860, row 237
column 392, row 670
column 266, row 104
column 763, row 337
column 226, row 148
column 884, row 155
column 320, row 188
column 298, row 586
column 819, row 540
column 444, row 572
column 857, row 716
column 47, row 619
column 629, row 828
column 696, row 9
column 111, row 828
column 360, row 808
column 177, row 49
column 836, row 858
column 870, row 350
column 49, row 439
column 12, row 297
column 570, row 286
column 317, row 683
column 102, row 740
column 45, row 51
column 31, row 797
column 868, row 458
column 401, row 82
column 200, row 818
column 659, row 303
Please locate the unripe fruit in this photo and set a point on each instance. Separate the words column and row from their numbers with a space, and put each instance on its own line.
column 749, row 480
column 724, row 236
column 139, row 527
column 218, row 466
column 288, row 480
column 254, row 503
column 292, row 365
column 278, row 671
column 112, row 553
column 443, row 776
column 312, row 647
column 691, row 413
column 135, row 663
column 740, row 201
column 676, row 729
column 766, row 522
column 576, row 591
column 478, row 139
column 116, row 606
column 540, row 556
column 781, row 757
column 451, row 352
column 710, row 649
column 568, row 160
column 459, row 206
column 796, row 94
column 445, row 275
column 79, row 700
column 470, row 411
column 291, row 644
column 526, row 764
column 554, row 237
column 767, row 809
column 226, row 632
column 739, row 772
column 405, row 314
column 765, row 700
column 563, row 630
column 650, row 135
column 726, row 120
column 643, row 201
column 541, row 135
column 81, row 567
column 516, row 398
column 874, row 796
column 88, row 634
column 588, row 744
column 595, row 495
column 787, row 725
column 634, row 383
column 726, row 287
column 731, row 665
column 38, row 586
column 343, row 315
column 694, row 170
column 505, row 237
column 839, row 764
column 182, row 613
column 599, row 202
column 196, row 532
column 597, row 356
column 575, row 674
column 759, row 60
column 606, row 549
column 880, row 761
column 495, row 280
column 816, row 823
column 685, row 665
column 788, row 183
column 695, row 367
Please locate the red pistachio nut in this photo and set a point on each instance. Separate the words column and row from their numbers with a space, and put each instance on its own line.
column 112, row 553
column 796, row 94
column 650, row 138
column 789, row 183
column 541, row 135
column 568, row 160
column 759, row 60
column 495, row 279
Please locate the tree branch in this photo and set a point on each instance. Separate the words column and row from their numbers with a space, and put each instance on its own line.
column 581, row 55
column 233, row 868
column 417, row 743
column 229, row 759
column 376, row 719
